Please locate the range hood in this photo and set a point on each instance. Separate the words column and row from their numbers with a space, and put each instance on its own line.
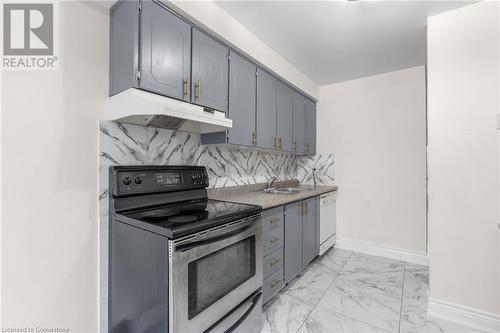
column 138, row 107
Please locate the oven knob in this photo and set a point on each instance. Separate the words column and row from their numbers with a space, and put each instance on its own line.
column 193, row 176
column 138, row 180
column 127, row 180
column 200, row 176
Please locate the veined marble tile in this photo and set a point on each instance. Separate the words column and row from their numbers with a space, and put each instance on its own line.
column 335, row 258
column 414, row 319
column 387, row 277
column 284, row 314
column 382, row 312
column 376, row 260
column 312, row 283
column 416, row 282
column 322, row 320
column 325, row 169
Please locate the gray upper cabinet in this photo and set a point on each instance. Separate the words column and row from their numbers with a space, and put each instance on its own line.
column 123, row 46
column 209, row 72
column 299, row 119
column 241, row 100
column 165, row 47
column 310, row 127
column 284, row 116
column 293, row 240
column 308, row 231
column 266, row 110
column 154, row 49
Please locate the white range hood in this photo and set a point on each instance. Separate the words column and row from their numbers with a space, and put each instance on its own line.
column 138, row 107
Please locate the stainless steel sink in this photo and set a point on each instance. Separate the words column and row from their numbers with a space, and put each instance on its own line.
column 285, row 190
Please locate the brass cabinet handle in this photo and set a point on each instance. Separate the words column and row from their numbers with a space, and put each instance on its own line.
column 275, row 283
column 197, row 90
column 186, row 87
column 275, row 142
column 306, row 208
column 254, row 138
column 274, row 240
column 275, row 262
column 279, row 143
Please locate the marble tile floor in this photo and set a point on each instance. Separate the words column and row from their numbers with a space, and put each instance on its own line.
column 344, row 291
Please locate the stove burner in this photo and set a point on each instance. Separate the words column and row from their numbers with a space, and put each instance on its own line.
column 183, row 219
column 161, row 213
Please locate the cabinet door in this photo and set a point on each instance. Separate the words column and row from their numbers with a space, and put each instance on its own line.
column 284, row 116
column 165, row 51
column 299, row 119
column 310, row 127
column 309, row 231
column 241, row 99
column 266, row 109
column 293, row 240
column 210, row 72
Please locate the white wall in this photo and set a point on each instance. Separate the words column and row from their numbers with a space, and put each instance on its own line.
column 210, row 15
column 377, row 128
column 49, row 179
column 464, row 89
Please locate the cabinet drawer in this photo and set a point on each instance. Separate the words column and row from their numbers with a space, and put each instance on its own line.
column 272, row 262
column 272, row 219
column 272, row 285
column 273, row 240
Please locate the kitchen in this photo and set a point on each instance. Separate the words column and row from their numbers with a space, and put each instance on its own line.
column 329, row 177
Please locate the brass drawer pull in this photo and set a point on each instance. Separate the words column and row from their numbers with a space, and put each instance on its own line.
column 275, row 262
column 275, row 283
column 280, row 143
column 186, row 87
column 274, row 240
column 197, row 90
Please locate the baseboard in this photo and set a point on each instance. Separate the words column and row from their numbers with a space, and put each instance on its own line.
column 463, row 315
column 368, row 248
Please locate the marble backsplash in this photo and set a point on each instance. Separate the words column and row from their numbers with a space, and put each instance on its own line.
column 325, row 169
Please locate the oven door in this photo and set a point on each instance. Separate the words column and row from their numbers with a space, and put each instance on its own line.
column 212, row 273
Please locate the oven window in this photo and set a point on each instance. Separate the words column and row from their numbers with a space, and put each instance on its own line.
column 213, row 276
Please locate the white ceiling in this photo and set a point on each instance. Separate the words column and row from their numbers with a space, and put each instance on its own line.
column 333, row 41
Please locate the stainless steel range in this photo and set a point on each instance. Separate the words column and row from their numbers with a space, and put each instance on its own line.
column 180, row 262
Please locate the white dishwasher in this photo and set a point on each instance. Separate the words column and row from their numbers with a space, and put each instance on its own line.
column 327, row 222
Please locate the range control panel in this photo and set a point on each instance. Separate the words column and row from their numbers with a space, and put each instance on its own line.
column 134, row 180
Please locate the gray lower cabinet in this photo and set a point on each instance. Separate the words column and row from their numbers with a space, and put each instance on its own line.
column 209, row 72
column 299, row 119
column 284, row 116
column 241, row 100
column 301, row 236
column 273, row 261
column 293, row 240
column 308, row 231
column 266, row 110
column 310, row 127
column 165, row 48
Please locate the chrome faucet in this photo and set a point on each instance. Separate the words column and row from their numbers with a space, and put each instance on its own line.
column 270, row 181
column 314, row 176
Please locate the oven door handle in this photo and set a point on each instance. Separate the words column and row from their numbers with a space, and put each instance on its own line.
column 196, row 243
column 254, row 299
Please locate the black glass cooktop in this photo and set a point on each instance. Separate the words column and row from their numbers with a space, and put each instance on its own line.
column 188, row 217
